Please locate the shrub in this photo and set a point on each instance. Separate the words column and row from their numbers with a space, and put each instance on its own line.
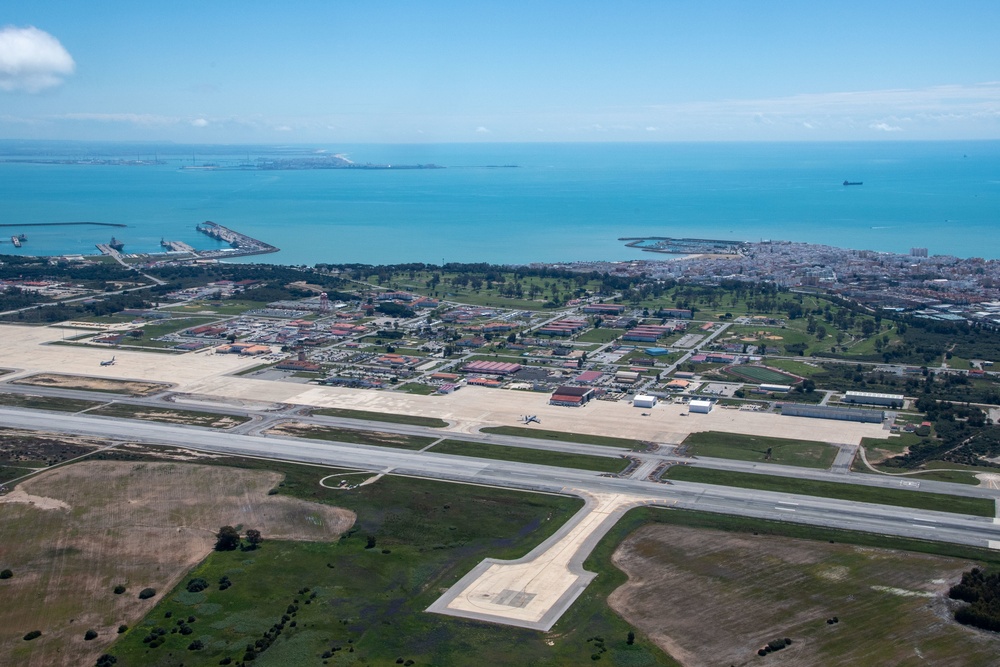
column 227, row 539
column 34, row 634
column 225, row 661
column 196, row 645
column 90, row 634
column 6, row 574
column 122, row 629
column 197, row 585
column 119, row 589
column 147, row 593
column 106, row 660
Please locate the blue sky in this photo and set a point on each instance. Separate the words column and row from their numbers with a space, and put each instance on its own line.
column 377, row 71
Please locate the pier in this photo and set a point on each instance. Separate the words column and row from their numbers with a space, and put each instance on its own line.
column 177, row 246
column 241, row 245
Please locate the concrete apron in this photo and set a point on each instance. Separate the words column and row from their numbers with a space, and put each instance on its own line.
column 534, row 591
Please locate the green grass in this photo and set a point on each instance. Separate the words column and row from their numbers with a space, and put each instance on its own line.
column 9, row 472
column 414, row 420
column 371, row 601
column 799, row 368
column 169, row 416
column 359, row 437
column 754, row 448
column 417, row 388
column 526, row 455
column 937, row 502
column 542, row 434
column 46, row 402
column 599, row 335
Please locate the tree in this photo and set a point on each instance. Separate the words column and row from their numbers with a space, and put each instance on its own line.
column 227, row 539
column 254, row 538
column 631, row 638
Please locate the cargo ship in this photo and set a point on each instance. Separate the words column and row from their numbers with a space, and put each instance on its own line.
column 18, row 240
column 853, row 183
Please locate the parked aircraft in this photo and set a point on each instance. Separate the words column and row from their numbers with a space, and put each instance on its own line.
column 109, row 362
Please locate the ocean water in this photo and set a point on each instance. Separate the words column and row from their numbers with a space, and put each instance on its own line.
column 563, row 202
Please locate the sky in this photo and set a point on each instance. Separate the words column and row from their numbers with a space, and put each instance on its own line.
column 383, row 71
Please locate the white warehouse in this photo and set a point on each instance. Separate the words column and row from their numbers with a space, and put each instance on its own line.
column 700, row 406
column 871, row 398
column 643, row 401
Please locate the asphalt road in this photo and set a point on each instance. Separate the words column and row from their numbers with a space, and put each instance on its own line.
column 904, row 522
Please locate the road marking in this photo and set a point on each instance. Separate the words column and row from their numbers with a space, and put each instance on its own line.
column 785, row 502
column 785, row 509
column 917, row 518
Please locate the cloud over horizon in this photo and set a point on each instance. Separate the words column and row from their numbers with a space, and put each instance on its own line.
column 32, row 60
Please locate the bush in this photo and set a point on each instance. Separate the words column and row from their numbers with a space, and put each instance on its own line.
column 196, row 645
column 147, row 593
column 122, row 629
column 34, row 634
column 119, row 589
column 197, row 585
column 90, row 634
column 106, row 660
column 6, row 574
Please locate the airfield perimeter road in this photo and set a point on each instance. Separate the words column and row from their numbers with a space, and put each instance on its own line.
column 900, row 521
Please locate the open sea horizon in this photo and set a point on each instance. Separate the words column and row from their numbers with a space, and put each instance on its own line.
column 561, row 203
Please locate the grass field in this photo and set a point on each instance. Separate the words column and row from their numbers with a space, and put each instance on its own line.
column 432, row 422
column 525, row 455
column 95, row 525
column 867, row 494
column 542, row 434
column 356, row 436
column 761, row 375
column 46, row 402
column 754, row 448
column 599, row 335
column 417, row 388
column 369, row 602
column 689, row 583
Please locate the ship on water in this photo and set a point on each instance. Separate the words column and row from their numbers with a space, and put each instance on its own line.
column 115, row 244
column 18, row 239
column 853, row 183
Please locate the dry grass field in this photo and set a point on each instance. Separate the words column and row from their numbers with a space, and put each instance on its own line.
column 133, row 387
column 72, row 534
column 714, row 598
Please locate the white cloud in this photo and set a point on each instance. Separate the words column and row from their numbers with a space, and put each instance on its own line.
column 199, row 122
column 482, row 130
column 885, row 127
column 32, row 60
column 283, row 128
column 652, row 128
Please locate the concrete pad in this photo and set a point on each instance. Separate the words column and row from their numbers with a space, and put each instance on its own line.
column 534, row 591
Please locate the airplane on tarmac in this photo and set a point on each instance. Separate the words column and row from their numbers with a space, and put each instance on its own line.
column 109, row 362
column 527, row 419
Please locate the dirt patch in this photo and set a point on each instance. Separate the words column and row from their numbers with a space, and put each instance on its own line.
column 133, row 387
column 136, row 524
column 713, row 598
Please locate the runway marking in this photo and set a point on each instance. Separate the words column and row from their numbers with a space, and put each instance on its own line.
column 917, row 518
column 785, row 509
column 785, row 502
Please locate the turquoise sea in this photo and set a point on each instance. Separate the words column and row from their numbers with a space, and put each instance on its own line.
column 563, row 202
